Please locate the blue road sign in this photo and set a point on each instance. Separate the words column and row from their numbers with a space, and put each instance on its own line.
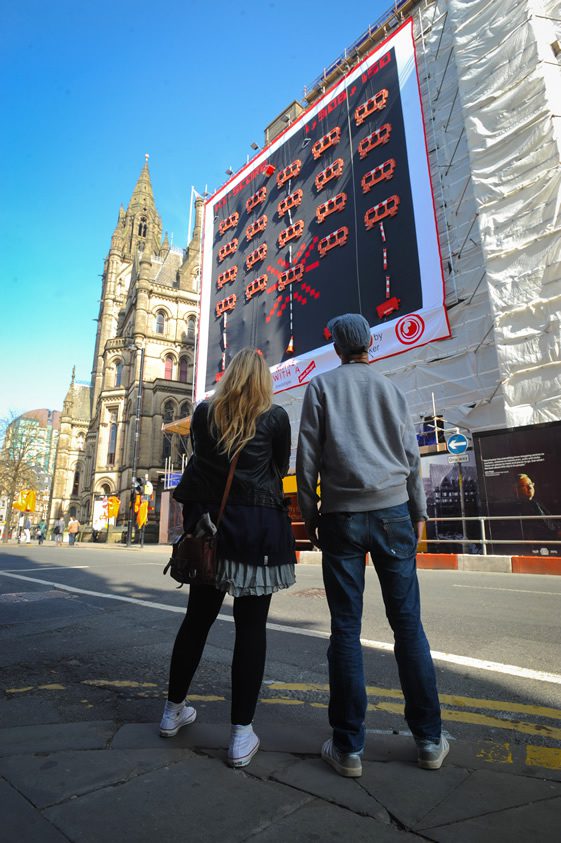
column 457, row 444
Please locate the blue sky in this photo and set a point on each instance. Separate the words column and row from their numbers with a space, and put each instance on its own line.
column 88, row 88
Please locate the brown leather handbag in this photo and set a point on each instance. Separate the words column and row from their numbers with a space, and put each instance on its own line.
column 193, row 557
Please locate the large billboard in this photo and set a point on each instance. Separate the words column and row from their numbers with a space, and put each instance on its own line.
column 336, row 215
column 519, row 473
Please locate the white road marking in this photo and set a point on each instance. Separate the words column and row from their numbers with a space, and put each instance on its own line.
column 150, row 604
column 450, row 658
column 39, row 570
column 511, row 590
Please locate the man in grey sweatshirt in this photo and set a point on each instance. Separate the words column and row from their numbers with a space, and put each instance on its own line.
column 357, row 437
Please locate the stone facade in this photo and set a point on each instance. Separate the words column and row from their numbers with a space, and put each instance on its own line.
column 69, row 469
column 143, row 363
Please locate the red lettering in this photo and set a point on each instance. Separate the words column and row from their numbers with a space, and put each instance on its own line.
column 374, row 68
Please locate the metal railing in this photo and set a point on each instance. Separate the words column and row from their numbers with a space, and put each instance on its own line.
column 483, row 541
column 390, row 18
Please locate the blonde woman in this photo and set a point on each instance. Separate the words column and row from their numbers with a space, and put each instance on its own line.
column 255, row 543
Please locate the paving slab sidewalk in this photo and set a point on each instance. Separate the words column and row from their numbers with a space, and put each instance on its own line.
column 104, row 781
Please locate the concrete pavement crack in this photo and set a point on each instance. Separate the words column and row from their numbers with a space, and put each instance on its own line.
column 282, row 815
column 35, row 808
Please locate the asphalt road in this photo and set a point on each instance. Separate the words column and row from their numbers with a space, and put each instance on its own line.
column 86, row 634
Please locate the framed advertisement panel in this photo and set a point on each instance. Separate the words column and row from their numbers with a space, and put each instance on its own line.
column 452, row 492
column 519, row 472
column 335, row 215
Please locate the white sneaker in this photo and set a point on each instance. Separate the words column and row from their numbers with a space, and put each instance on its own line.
column 244, row 743
column 430, row 755
column 175, row 718
column 348, row 764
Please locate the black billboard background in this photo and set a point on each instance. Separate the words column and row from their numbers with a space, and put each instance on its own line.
column 349, row 277
column 502, row 455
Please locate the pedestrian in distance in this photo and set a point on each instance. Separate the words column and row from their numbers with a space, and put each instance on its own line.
column 41, row 530
column 27, row 529
column 20, row 529
column 357, row 436
column 58, row 531
column 255, row 544
column 73, row 528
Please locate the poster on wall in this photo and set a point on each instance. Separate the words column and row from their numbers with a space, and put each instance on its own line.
column 335, row 215
column 452, row 492
column 519, row 472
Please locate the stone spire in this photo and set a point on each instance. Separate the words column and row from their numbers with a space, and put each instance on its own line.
column 142, row 226
column 143, row 196
column 67, row 403
column 117, row 236
column 188, row 273
column 165, row 247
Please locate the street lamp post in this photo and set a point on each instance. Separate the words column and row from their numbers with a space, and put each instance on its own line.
column 137, row 419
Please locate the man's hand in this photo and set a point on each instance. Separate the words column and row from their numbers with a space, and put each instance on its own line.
column 420, row 530
column 312, row 529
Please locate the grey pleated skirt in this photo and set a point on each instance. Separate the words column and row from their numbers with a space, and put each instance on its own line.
column 240, row 580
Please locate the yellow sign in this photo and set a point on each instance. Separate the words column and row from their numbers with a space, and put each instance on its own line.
column 142, row 516
column 113, row 504
column 25, row 501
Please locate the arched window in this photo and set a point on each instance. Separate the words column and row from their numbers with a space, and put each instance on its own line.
column 168, row 415
column 160, row 323
column 168, row 367
column 142, row 227
column 191, row 328
column 112, row 446
column 169, row 412
column 118, row 373
column 106, row 489
column 183, row 441
column 183, row 369
column 76, row 483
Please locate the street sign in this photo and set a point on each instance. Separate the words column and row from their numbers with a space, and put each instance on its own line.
column 172, row 479
column 453, row 458
column 457, row 444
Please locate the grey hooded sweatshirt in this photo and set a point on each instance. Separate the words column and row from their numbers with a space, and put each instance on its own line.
column 357, row 437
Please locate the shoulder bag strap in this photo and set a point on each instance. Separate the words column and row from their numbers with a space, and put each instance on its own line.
column 233, row 465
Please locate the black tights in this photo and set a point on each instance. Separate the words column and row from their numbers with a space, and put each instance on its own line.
column 250, row 649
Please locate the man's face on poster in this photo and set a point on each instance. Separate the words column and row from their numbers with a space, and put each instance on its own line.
column 526, row 487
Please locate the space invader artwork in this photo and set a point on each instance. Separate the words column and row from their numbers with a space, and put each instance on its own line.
column 336, row 215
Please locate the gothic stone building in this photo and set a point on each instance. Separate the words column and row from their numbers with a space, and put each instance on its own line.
column 69, row 467
column 143, row 361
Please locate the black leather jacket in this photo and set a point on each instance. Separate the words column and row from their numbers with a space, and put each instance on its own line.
column 261, row 466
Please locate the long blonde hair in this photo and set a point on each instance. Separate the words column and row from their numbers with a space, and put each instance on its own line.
column 242, row 395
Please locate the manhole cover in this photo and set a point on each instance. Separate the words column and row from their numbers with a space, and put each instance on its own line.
column 310, row 592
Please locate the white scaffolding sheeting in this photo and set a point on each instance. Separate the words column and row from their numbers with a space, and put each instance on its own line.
column 491, row 92
column 510, row 91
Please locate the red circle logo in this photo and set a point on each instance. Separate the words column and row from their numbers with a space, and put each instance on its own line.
column 409, row 329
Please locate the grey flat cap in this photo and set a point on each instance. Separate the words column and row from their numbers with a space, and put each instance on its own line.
column 351, row 332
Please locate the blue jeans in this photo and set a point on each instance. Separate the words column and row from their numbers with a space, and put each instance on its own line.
column 388, row 535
